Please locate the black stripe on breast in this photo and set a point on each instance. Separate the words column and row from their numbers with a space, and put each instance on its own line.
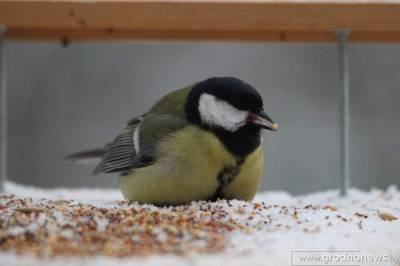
column 226, row 176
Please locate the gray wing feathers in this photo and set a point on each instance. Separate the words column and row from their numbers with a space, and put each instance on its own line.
column 122, row 154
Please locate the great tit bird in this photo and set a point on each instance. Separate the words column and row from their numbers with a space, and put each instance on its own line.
column 201, row 142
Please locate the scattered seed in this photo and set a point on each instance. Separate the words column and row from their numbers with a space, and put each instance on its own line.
column 387, row 216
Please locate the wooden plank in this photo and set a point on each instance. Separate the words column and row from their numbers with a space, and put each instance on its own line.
column 67, row 36
column 252, row 20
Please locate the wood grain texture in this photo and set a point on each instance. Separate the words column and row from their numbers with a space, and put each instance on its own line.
column 254, row 20
column 66, row 36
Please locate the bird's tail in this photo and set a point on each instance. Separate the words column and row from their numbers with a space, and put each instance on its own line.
column 92, row 156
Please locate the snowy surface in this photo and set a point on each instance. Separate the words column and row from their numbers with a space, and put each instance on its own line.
column 364, row 223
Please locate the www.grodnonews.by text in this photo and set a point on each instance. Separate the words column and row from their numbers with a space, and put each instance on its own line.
column 339, row 258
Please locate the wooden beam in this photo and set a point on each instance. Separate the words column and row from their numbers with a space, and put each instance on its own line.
column 67, row 35
column 248, row 20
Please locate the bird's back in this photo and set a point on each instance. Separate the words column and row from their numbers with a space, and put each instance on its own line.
column 172, row 103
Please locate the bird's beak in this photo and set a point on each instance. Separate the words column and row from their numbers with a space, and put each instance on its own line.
column 263, row 120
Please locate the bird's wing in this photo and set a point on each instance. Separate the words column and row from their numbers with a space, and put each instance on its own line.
column 136, row 145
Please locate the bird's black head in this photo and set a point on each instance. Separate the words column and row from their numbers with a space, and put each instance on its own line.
column 232, row 109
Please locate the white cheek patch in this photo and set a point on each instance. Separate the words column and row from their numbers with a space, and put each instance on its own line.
column 215, row 112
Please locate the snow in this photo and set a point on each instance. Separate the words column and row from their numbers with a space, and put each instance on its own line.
column 321, row 221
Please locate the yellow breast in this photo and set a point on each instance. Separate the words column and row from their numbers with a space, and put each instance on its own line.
column 186, row 170
column 247, row 182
